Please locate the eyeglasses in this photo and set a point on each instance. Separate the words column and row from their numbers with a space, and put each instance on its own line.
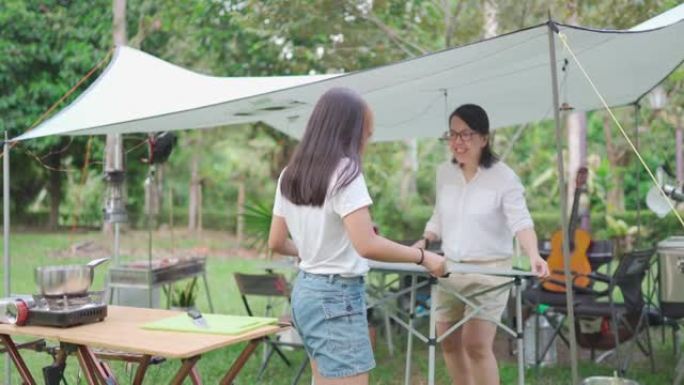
column 465, row 136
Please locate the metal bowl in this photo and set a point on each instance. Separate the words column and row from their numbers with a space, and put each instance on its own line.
column 66, row 280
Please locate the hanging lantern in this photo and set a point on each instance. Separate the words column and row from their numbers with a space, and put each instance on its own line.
column 152, row 193
column 115, row 203
column 115, row 177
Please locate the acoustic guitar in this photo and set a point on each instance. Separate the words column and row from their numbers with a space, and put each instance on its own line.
column 579, row 244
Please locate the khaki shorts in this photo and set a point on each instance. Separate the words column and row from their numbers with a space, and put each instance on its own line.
column 449, row 308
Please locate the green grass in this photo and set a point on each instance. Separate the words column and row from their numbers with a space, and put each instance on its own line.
column 33, row 249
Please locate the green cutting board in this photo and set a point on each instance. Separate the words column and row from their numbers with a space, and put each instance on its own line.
column 218, row 324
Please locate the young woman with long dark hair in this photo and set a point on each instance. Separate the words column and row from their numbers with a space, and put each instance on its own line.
column 322, row 201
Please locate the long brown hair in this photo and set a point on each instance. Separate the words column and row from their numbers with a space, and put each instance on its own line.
column 334, row 132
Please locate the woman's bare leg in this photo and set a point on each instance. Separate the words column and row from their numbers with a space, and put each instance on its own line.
column 359, row 379
column 455, row 357
column 478, row 342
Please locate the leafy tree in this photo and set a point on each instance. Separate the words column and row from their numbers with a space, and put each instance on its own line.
column 43, row 53
column 47, row 46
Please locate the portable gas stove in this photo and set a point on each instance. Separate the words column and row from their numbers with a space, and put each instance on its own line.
column 65, row 311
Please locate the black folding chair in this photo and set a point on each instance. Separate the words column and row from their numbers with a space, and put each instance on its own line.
column 600, row 253
column 627, row 321
column 269, row 285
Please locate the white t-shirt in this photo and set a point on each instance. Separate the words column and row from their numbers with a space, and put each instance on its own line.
column 476, row 220
column 319, row 232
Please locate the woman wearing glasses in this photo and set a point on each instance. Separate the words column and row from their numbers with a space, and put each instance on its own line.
column 480, row 206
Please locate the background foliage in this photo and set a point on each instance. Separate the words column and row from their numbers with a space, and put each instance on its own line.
column 47, row 46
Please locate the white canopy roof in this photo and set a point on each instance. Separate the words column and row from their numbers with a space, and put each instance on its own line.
column 666, row 18
column 508, row 75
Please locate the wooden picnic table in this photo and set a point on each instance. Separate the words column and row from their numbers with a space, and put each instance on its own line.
column 122, row 331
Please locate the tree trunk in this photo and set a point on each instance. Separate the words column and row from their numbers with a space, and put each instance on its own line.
column 111, row 147
column 160, row 187
column 491, row 22
column 240, row 229
column 194, row 196
column 576, row 123
column 200, row 222
column 119, row 23
column 679, row 151
column 490, row 13
column 54, row 187
column 282, row 154
column 410, row 168
column 154, row 194
column 448, row 23
column 152, row 198
column 573, row 15
column 616, row 196
column 617, row 157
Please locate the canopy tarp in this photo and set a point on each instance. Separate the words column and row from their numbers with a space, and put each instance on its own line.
column 508, row 75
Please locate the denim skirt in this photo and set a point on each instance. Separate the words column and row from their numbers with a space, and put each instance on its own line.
column 329, row 312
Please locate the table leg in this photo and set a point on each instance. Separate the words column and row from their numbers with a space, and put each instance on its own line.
column 94, row 370
column 143, row 364
column 412, row 315
column 519, row 331
column 432, row 341
column 26, row 377
column 87, row 368
column 185, row 370
column 240, row 362
column 385, row 313
column 195, row 377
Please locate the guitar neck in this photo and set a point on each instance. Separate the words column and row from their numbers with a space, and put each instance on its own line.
column 573, row 213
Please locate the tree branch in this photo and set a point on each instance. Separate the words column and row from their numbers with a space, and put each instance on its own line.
column 393, row 35
column 608, row 136
column 450, row 20
column 146, row 27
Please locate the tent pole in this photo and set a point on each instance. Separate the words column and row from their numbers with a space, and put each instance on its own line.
column 553, row 28
column 637, row 110
column 5, row 244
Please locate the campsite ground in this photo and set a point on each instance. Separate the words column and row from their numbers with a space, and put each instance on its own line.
column 29, row 250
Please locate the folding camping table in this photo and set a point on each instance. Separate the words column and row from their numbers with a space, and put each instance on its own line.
column 122, row 331
column 431, row 339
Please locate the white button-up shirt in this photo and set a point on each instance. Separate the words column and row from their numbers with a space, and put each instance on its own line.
column 476, row 220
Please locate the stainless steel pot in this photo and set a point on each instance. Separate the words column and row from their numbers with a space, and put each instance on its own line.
column 66, row 280
column 671, row 285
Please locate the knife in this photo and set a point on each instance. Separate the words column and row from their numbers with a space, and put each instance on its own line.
column 197, row 319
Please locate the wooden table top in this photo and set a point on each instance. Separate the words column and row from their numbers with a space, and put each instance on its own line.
column 122, row 331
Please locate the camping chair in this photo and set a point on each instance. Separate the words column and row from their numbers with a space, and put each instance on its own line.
column 269, row 285
column 619, row 323
column 600, row 253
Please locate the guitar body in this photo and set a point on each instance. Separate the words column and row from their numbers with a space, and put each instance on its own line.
column 579, row 261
